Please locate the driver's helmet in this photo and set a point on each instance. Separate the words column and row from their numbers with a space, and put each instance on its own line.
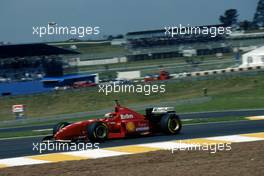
column 108, row 115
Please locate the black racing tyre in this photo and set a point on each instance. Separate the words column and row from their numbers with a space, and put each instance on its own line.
column 97, row 132
column 59, row 126
column 170, row 124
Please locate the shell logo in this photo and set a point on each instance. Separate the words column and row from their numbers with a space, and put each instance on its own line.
column 130, row 126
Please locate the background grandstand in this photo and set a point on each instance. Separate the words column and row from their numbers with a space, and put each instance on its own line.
column 31, row 61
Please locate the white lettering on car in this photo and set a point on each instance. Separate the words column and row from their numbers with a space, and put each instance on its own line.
column 126, row 116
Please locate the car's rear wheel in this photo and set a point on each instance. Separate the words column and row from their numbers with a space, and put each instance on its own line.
column 59, row 126
column 97, row 132
column 170, row 124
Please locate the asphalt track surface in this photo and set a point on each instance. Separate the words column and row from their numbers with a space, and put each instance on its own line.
column 23, row 147
column 215, row 114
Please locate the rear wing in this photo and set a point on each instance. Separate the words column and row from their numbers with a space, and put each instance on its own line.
column 161, row 110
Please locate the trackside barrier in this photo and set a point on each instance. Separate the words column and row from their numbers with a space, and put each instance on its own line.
column 216, row 72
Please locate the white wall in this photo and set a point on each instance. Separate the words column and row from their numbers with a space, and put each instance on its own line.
column 252, row 60
column 102, row 61
column 189, row 52
column 96, row 80
column 128, row 75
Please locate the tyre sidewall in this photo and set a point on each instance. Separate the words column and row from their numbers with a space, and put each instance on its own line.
column 91, row 132
column 164, row 123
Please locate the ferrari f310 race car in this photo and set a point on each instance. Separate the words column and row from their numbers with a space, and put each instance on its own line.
column 121, row 123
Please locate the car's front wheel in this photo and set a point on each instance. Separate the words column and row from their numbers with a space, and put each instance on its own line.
column 97, row 132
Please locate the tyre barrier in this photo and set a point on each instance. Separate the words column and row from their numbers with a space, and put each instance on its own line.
column 216, row 72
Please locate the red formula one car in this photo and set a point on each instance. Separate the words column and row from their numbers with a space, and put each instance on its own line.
column 83, row 84
column 121, row 123
column 163, row 75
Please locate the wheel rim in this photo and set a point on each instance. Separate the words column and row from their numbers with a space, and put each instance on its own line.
column 173, row 125
column 100, row 132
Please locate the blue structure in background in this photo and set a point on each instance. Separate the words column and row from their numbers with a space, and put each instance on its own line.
column 45, row 85
column 68, row 80
column 23, row 88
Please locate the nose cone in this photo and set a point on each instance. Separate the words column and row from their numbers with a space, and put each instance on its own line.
column 68, row 132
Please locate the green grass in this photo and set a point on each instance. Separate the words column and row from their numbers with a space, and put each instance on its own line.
column 49, row 122
column 243, row 92
column 249, row 95
column 23, row 134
